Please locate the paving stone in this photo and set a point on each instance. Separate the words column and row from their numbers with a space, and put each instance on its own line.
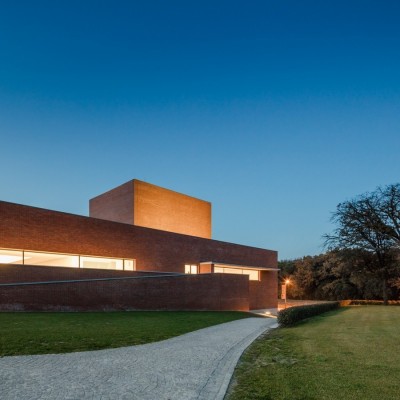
column 197, row 365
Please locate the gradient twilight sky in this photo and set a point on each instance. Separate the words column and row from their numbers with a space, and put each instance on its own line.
column 275, row 111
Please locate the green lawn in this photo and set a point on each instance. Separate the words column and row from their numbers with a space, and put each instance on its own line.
column 352, row 353
column 39, row 333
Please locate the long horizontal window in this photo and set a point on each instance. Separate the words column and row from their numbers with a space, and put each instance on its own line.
column 50, row 259
column 254, row 275
column 101, row 263
column 11, row 257
column 64, row 260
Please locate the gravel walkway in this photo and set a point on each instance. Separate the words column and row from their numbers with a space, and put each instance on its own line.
column 197, row 365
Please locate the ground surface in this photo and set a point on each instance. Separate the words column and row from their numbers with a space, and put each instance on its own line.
column 351, row 353
column 41, row 333
column 197, row 365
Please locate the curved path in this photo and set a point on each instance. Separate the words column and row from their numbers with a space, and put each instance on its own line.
column 197, row 365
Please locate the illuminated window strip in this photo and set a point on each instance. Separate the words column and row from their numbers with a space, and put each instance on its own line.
column 254, row 275
column 12, row 256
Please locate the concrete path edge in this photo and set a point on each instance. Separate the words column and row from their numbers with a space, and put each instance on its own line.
column 232, row 363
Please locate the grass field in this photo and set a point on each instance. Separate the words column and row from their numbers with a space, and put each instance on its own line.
column 351, row 354
column 39, row 333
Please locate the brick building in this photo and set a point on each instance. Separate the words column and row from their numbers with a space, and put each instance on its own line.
column 142, row 247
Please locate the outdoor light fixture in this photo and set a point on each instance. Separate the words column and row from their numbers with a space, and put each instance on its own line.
column 284, row 291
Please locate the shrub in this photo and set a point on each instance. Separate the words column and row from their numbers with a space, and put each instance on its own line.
column 291, row 316
column 371, row 302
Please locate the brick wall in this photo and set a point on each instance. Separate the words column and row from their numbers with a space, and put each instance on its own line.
column 11, row 273
column 143, row 204
column 164, row 209
column 114, row 205
column 264, row 293
column 30, row 228
column 182, row 292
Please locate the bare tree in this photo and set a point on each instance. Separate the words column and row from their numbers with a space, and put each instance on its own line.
column 370, row 222
column 390, row 211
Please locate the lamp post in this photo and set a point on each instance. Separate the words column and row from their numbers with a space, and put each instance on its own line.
column 284, row 291
column 287, row 283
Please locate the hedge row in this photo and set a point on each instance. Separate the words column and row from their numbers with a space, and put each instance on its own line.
column 368, row 302
column 292, row 315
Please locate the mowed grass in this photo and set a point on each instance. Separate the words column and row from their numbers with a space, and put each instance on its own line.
column 40, row 333
column 350, row 353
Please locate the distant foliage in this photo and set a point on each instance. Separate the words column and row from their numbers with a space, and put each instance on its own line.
column 291, row 316
column 371, row 303
column 339, row 275
column 371, row 222
column 363, row 258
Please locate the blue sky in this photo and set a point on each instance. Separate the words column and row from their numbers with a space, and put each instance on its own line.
column 275, row 111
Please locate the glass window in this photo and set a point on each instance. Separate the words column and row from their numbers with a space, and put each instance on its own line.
column 101, row 263
column 190, row 269
column 129, row 265
column 254, row 275
column 11, row 257
column 233, row 271
column 63, row 260
column 51, row 259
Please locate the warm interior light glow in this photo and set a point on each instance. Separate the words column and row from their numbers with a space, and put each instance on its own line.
column 254, row 275
column 287, row 281
column 64, row 260
column 190, row 269
column 5, row 259
column 101, row 263
column 51, row 259
column 129, row 265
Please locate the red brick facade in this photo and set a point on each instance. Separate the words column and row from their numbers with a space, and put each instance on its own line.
column 143, row 204
column 11, row 273
column 29, row 228
column 180, row 292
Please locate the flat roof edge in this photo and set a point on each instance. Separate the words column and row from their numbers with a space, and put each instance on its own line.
column 240, row 266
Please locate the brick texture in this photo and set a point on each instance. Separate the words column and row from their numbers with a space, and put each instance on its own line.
column 181, row 292
column 115, row 205
column 30, row 228
column 164, row 209
column 264, row 294
column 11, row 273
column 143, row 204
